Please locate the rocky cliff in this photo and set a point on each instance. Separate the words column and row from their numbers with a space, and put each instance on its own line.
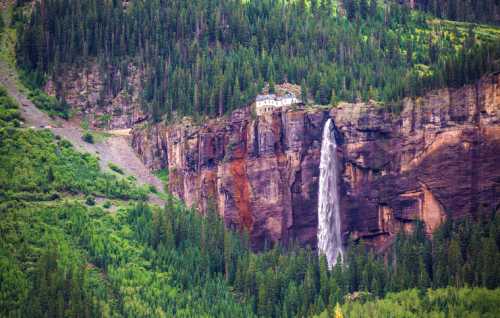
column 438, row 157
column 106, row 98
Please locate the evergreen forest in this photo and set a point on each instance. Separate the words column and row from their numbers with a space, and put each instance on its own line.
column 209, row 57
column 65, row 254
column 485, row 11
column 80, row 240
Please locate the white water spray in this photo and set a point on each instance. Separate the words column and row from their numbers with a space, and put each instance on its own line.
column 329, row 235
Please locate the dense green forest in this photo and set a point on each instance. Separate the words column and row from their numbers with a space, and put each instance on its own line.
column 448, row 302
column 208, row 57
column 66, row 253
column 79, row 242
column 486, row 11
column 63, row 254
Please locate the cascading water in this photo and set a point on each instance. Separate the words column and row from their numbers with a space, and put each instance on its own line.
column 329, row 236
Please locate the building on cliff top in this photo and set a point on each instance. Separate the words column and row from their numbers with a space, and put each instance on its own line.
column 271, row 102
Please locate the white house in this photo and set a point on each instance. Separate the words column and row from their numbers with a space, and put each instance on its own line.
column 271, row 102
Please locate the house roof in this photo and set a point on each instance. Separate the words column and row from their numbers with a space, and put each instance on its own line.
column 265, row 97
column 273, row 97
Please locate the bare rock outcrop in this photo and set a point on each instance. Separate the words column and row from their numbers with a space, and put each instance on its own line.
column 103, row 106
column 439, row 157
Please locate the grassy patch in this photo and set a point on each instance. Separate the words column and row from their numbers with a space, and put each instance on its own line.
column 48, row 207
column 100, row 136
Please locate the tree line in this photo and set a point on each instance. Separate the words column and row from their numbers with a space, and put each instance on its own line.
column 208, row 57
column 485, row 11
column 62, row 257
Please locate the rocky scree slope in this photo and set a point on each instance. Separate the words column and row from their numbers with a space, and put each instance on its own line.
column 113, row 149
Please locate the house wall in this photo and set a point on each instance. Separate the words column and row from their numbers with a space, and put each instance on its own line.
column 270, row 105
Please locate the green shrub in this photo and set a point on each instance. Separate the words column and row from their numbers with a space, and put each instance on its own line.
column 85, row 124
column 89, row 200
column 64, row 143
column 107, row 205
column 131, row 178
column 162, row 174
column 115, row 168
column 88, row 137
column 152, row 189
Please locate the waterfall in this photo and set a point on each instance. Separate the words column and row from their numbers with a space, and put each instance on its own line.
column 329, row 236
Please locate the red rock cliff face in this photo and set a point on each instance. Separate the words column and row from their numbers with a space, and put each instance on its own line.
column 438, row 158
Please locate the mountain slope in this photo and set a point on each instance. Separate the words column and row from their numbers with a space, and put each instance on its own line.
column 419, row 177
column 210, row 57
column 113, row 149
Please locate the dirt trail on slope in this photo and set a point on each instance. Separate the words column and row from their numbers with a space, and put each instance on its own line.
column 114, row 149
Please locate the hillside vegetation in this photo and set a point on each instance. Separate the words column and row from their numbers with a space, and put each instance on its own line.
column 486, row 11
column 448, row 302
column 77, row 242
column 209, row 57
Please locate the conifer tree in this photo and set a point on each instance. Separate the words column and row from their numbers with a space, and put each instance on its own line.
column 303, row 92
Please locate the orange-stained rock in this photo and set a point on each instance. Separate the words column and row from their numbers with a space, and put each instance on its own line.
column 439, row 157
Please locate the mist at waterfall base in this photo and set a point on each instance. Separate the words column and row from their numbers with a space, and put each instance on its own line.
column 329, row 235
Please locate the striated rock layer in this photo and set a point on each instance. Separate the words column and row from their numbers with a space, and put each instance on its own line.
column 110, row 106
column 438, row 157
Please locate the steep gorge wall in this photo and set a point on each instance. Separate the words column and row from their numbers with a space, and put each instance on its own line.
column 438, row 158
column 261, row 174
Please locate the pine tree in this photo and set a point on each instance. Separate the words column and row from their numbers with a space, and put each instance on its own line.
column 452, row 9
column 490, row 260
column 454, row 262
column 373, row 8
column 50, row 175
column 2, row 23
column 324, row 281
column 351, row 8
column 303, row 92
column 363, row 8
column 333, row 97
column 228, row 256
